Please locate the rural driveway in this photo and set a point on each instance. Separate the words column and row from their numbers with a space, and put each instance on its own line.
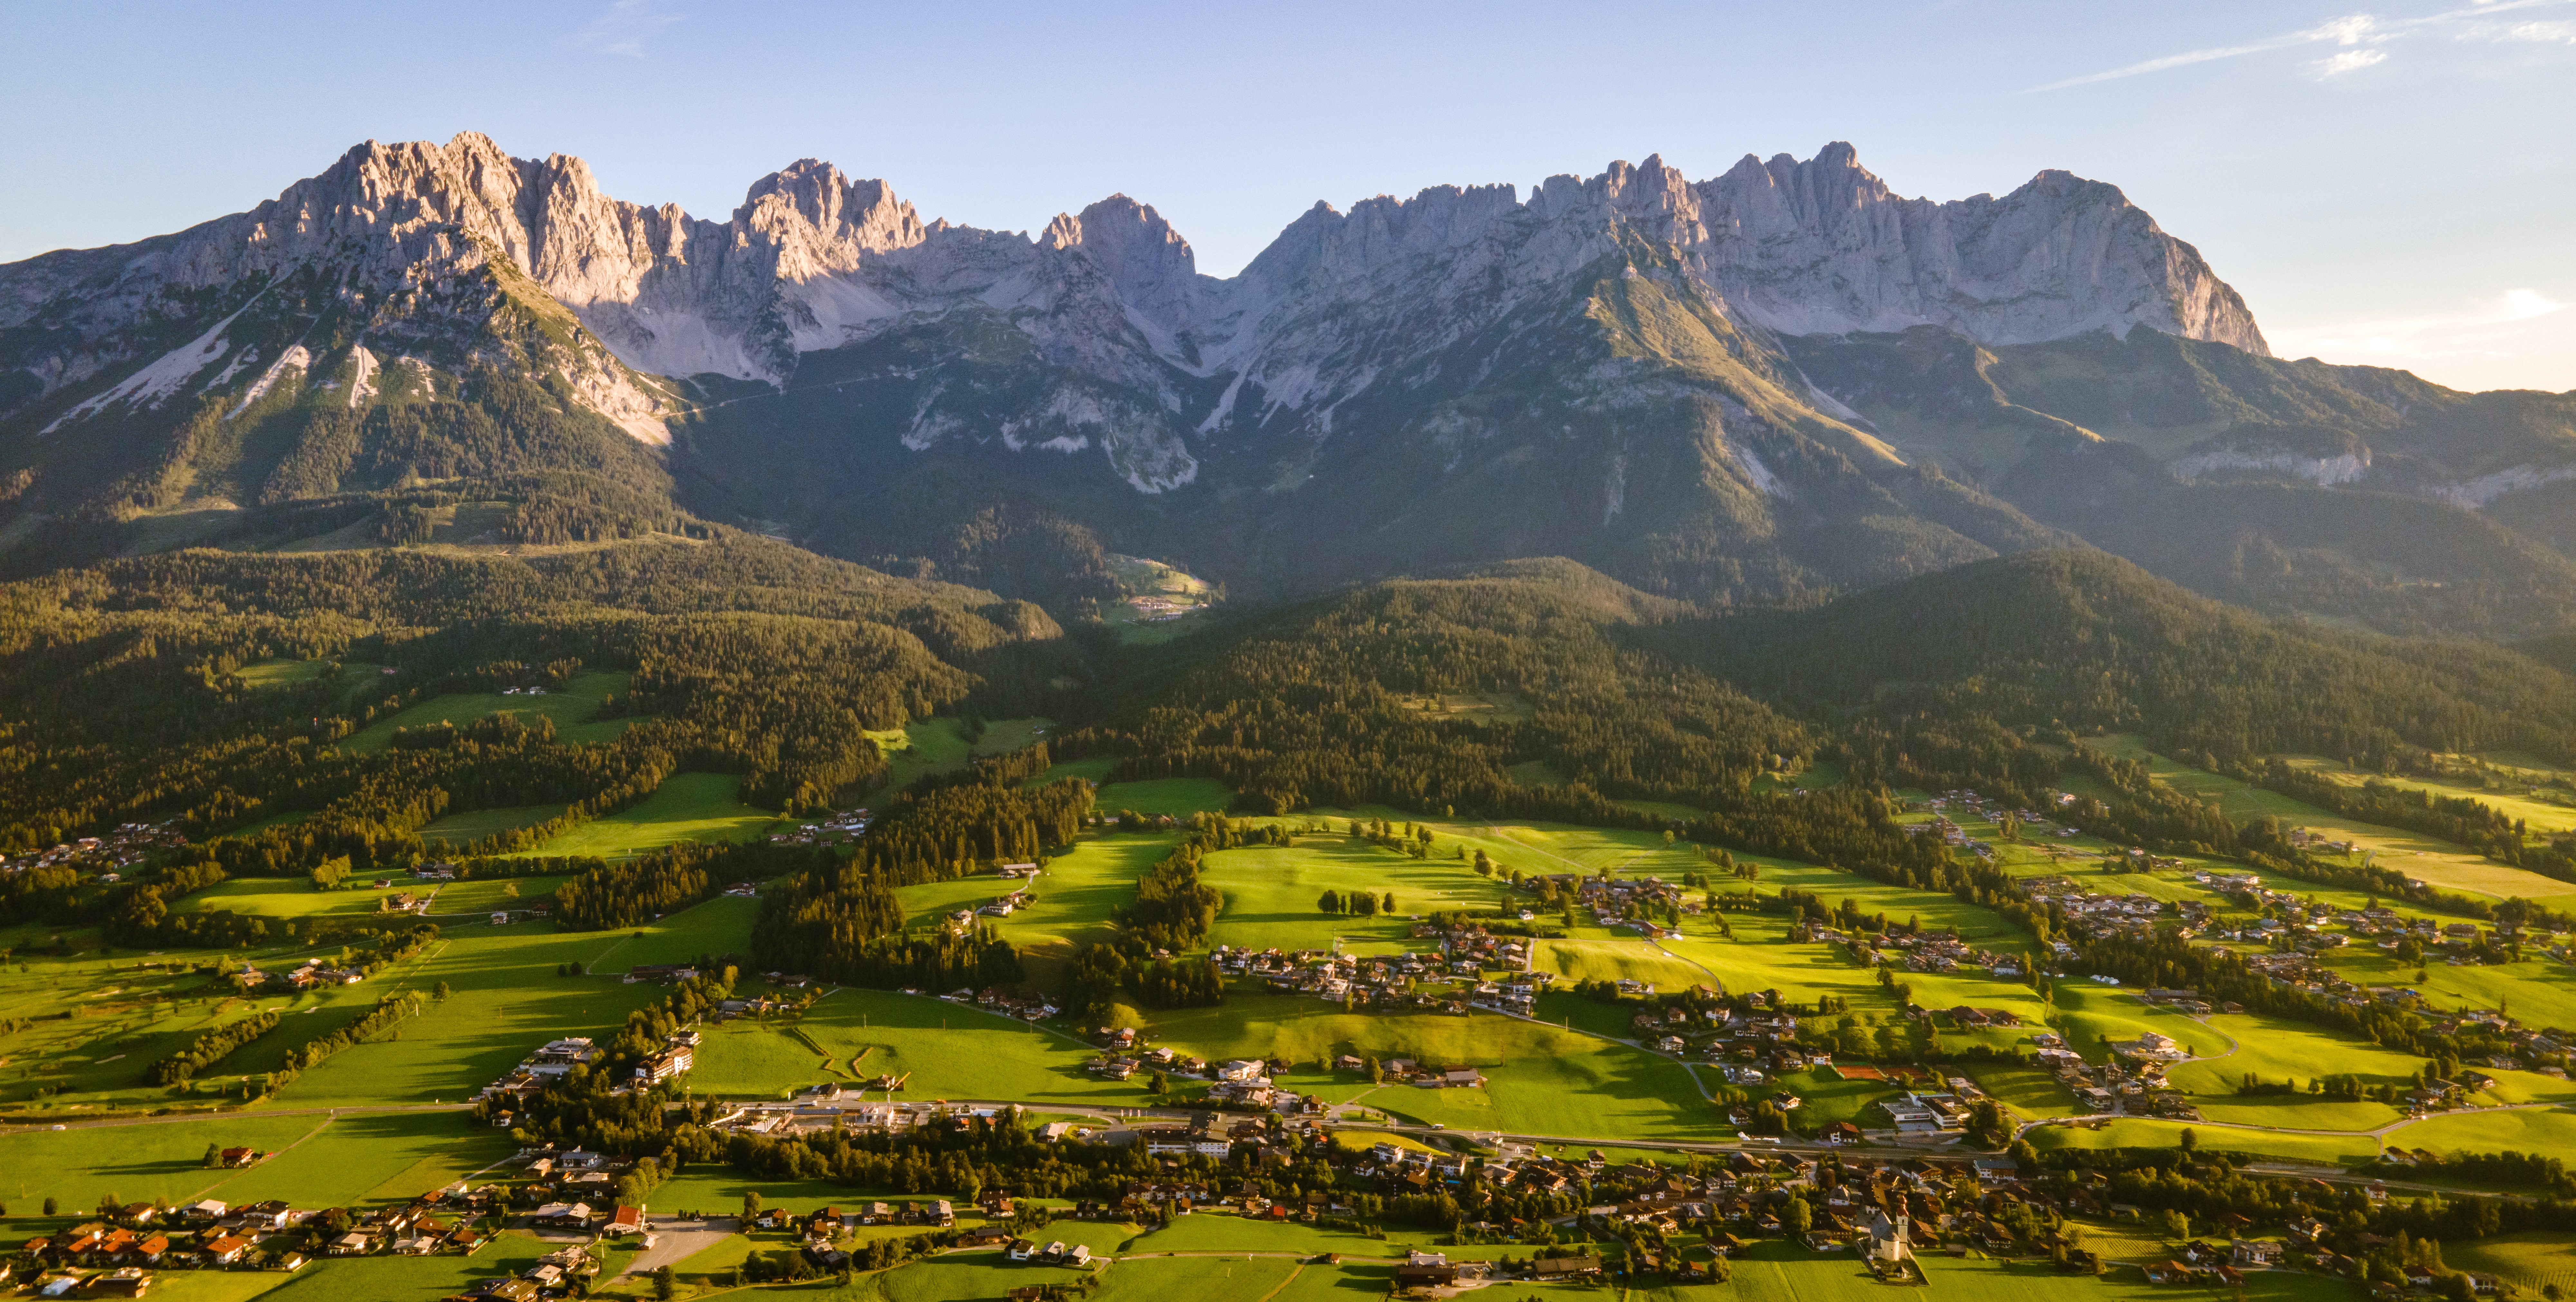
column 677, row 1241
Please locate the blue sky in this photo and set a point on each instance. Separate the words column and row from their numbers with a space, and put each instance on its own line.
column 2393, row 184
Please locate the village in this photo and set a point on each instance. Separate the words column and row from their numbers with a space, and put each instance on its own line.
column 100, row 858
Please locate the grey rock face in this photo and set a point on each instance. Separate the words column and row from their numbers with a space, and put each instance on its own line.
column 813, row 260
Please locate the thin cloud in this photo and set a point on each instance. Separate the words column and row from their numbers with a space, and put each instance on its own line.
column 2348, row 61
column 2341, row 31
column 2465, row 334
column 623, row 28
column 2364, row 32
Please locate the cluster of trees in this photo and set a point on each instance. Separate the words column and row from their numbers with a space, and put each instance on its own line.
column 947, row 832
column 1180, row 983
column 603, row 896
column 210, row 1048
column 1362, row 903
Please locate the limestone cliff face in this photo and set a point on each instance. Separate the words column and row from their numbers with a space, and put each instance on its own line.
column 815, row 260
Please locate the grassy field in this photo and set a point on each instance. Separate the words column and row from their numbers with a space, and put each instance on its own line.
column 472, row 897
column 2089, row 1014
column 408, row 1279
column 1228, row 1233
column 709, row 930
column 486, row 822
column 2276, row 1050
column 569, row 706
column 290, row 897
column 504, row 1000
column 1096, row 769
column 1271, row 892
column 2436, row 861
column 686, row 807
column 2028, row 1091
column 1541, row 1079
column 88, row 1024
column 2543, row 813
column 2131, row 1132
column 318, row 1161
column 2540, row 991
column 1074, row 896
column 950, row 1050
column 939, row 745
column 2534, row 1260
column 2526, row 1130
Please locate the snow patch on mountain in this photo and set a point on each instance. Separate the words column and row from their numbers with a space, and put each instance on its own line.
column 295, row 357
column 362, row 382
column 154, row 384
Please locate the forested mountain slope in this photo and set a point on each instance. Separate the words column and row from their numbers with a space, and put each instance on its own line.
column 2085, row 641
column 120, row 690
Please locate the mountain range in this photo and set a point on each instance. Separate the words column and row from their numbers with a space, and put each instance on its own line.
column 1756, row 388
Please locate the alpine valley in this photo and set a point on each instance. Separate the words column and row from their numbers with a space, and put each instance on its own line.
column 1681, row 737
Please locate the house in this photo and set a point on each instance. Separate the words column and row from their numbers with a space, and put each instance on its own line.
column 662, row 1066
column 239, row 1156
column 352, row 1244
column 1547, row 1268
column 628, row 1220
column 130, row 1281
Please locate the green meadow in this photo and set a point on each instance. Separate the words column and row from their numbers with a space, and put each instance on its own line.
column 2436, row 861
column 2275, row 1050
column 2534, row 1259
column 86, row 1024
column 481, row 823
column 2520, row 1130
column 2139, row 1132
column 1542, row 1079
column 292, row 897
column 2544, row 812
column 939, row 745
column 1272, row 893
column 949, row 1050
column 712, row 929
column 686, row 807
column 568, row 707
column 504, row 999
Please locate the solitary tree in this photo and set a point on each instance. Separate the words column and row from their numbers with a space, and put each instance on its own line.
column 1798, row 1216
